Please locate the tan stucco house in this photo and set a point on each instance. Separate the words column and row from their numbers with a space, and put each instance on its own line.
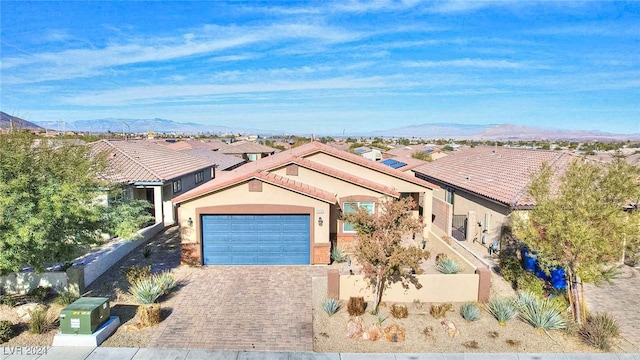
column 484, row 185
column 286, row 208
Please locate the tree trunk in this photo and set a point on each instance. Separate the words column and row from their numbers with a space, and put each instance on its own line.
column 574, row 296
column 378, row 292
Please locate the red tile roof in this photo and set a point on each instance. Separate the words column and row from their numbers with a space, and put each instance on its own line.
column 247, row 147
column 497, row 173
column 295, row 155
column 411, row 149
column 195, row 144
column 141, row 160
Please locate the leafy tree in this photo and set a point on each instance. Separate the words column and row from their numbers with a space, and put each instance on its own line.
column 581, row 226
column 48, row 209
column 448, row 148
column 379, row 249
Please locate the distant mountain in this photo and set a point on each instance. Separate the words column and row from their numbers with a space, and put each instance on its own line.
column 118, row 125
column 518, row 132
column 13, row 122
column 436, row 130
column 498, row 132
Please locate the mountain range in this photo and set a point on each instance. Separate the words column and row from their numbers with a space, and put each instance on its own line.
column 429, row 131
column 9, row 122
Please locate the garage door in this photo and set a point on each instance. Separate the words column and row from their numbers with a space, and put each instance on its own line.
column 255, row 239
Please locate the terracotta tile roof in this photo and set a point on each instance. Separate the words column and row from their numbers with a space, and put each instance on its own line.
column 497, row 173
column 314, row 147
column 195, row 144
column 222, row 161
column 247, row 147
column 297, row 186
column 141, row 160
column 411, row 149
column 346, row 176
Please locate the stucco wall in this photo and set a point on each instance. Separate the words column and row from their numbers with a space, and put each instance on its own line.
column 496, row 214
column 434, row 288
column 239, row 196
column 442, row 212
column 437, row 245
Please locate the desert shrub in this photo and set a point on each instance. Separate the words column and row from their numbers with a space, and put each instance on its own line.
column 511, row 269
column 513, row 343
column 147, row 290
column 133, row 274
column 149, row 314
column 399, row 311
column 338, row 255
column 6, row 331
column 8, row 300
column 539, row 313
column 470, row 311
column 39, row 294
column 599, row 330
column 448, row 266
column 356, row 306
column 439, row 311
column 40, row 321
column 502, row 308
column 330, row 306
column 147, row 252
column 530, row 283
column 471, row 344
column 66, row 296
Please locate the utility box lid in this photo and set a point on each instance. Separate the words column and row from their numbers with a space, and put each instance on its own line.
column 84, row 315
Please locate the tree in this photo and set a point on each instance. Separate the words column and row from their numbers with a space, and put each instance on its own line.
column 421, row 155
column 379, row 249
column 581, row 226
column 48, row 208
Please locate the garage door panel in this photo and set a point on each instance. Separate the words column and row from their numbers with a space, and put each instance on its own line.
column 256, row 239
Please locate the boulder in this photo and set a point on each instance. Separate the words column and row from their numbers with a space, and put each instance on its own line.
column 450, row 328
column 354, row 327
column 394, row 333
column 373, row 333
column 24, row 311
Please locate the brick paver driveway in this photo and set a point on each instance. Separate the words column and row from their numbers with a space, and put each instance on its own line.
column 620, row 300
column 242, row 308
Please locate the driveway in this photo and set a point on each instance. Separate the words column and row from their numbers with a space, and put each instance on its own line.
column 620, row 300
column 261, row 308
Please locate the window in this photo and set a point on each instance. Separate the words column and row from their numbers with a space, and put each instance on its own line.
column 177, row 186
column 351, row 207
column 199, row 177
column 449, row 196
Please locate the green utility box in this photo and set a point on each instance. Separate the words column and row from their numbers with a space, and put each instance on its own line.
column 84, row 315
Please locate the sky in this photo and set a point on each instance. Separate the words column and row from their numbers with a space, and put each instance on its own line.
column 323, row 66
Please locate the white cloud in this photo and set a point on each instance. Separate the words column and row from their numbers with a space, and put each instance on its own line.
column 466, row 63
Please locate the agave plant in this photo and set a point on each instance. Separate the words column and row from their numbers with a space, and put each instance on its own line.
column 338, row 255
column 502, row 308
column 448, row 266
column 470, row 311
column 330, row 306
column 539, row 313
column 149, row 289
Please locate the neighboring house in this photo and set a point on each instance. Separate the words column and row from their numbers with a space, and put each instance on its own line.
column 248, row 150
column 405, row 164
column 368, row 153
column 150, row 171
column 208, row 144
column 223, row 162
column 286, row 208
column 408, row 151
column 485, row 185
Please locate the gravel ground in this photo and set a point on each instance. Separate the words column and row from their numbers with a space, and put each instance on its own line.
column 330, row 332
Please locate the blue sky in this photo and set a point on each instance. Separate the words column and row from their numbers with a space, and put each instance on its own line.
column 318, row 65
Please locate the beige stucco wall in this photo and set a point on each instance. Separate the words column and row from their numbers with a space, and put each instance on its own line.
column 435, row 288
column 240, row 195
column 436, row 245
column 496, row 214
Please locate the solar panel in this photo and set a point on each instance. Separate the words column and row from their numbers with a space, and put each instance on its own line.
column 428, row 151
column 359, row 150
column 398, row 164
column 389, row 162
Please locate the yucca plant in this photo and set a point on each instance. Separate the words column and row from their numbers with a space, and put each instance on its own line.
column 502, row 308
column 338, row 255
column 470, row 311
column 539, row 313
column 598, row 331
column 448, row 266
column 330, row 306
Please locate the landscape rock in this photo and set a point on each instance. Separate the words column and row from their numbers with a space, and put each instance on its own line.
column 450, row 328
column 354, row 327
column 373, row 333
column 24, row 311
column 394, row 333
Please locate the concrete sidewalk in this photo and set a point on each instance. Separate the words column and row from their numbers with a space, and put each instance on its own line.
column 106, row 353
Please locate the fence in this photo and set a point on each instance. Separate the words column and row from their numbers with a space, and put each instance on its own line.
column 85, row 269
column 442, row 213
column 459, row 227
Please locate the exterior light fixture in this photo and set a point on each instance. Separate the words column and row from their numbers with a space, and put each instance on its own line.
column 320, row 221
column 190, row 222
